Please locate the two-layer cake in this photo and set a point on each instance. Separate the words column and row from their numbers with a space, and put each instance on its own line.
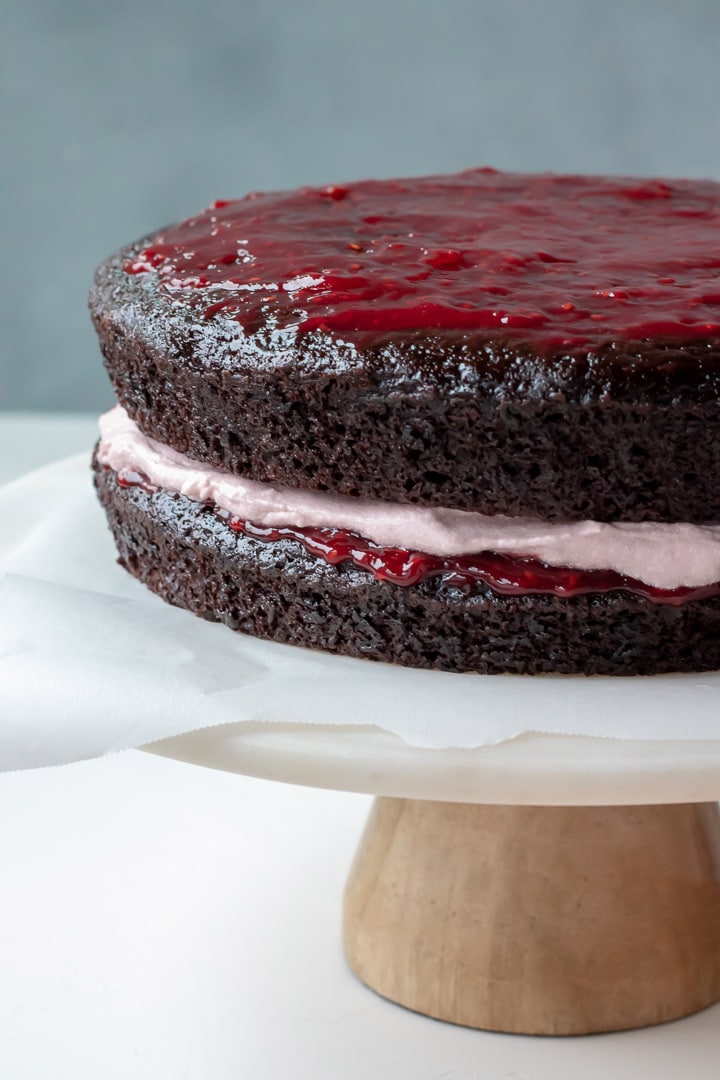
column 468, row 422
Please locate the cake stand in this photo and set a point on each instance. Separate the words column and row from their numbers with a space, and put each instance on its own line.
column 546, row 884
column 541, row 886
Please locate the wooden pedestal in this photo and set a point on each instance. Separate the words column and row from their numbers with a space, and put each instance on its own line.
column 538, row 920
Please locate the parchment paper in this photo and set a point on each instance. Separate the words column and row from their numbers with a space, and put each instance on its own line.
column 90, row 662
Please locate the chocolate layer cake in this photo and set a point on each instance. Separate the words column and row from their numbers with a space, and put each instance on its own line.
column 465, row 422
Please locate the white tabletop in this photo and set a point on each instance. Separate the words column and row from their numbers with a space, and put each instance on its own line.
column 161, row 920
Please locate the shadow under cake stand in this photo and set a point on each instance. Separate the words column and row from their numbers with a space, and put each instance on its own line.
column 548, row 885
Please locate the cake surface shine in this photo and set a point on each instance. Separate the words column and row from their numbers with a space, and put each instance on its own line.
column 479, row 348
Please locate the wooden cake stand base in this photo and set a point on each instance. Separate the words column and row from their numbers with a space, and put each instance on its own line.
column 485, row 894
column 538, row 920
column 545, row 885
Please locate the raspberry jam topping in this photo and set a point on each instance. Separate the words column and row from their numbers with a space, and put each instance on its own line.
column 561, row 261
column 505, row 574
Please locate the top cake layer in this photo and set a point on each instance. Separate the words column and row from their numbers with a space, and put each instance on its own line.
column 541, row 345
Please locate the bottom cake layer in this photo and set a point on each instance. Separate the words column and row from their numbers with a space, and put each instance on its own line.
column 184, row 552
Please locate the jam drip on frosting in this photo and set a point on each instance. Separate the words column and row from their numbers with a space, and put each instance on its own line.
column 558, row 261
column 504, row 574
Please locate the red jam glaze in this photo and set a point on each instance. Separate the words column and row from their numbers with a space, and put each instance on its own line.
column 560, row 261
column 505, row 574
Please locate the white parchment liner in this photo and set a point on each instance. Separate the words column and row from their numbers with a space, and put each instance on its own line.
column 90, row 662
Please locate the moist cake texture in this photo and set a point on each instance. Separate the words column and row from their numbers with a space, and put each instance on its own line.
column 541, row 347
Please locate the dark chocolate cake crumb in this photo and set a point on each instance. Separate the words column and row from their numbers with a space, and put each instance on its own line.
column 629, row 432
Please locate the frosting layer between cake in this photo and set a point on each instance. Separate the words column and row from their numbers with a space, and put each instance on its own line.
column 663, row 555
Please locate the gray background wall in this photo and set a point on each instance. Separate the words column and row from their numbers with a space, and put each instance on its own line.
column 120, row 117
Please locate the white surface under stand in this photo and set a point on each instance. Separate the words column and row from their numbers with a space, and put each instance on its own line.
column 154, row 935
